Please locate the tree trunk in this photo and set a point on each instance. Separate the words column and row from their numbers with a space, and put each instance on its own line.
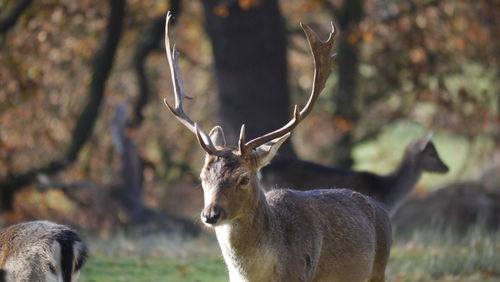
column 345, row 96
column 249, row 49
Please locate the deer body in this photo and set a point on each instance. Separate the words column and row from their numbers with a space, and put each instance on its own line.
column 41, row 251
column 321, row 235
column 283, row 235
column 391, row 190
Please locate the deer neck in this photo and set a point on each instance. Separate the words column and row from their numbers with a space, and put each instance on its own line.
column 246, row 242
column 403, row 180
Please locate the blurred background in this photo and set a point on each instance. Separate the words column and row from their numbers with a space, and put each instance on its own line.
column 85, row 138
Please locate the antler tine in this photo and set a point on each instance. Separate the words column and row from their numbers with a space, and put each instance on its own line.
column 178, row 109
column 241, row 142
column 321, row 51
column 254, row 143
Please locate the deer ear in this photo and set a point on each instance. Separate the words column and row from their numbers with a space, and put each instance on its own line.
column 265, row 152
column 424, row 141
column 217, row 136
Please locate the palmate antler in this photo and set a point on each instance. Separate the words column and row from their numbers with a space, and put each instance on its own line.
column 321, row 51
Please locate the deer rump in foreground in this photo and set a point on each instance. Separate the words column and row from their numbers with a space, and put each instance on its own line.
column 391, row 190
column 41, row 251
column 283, row 235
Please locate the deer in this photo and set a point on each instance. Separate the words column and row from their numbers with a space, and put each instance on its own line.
column 392, row 190
column 41, row 251
column 283, row 235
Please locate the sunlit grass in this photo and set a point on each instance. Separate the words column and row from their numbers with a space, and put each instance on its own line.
column 431, row 256
column 423, row 256
column 126, row 268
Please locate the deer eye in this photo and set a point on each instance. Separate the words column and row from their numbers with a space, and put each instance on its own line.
column 52, row 268
column 244, row 181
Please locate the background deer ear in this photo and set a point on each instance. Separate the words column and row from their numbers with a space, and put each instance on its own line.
column 424, row 141
column 217, row 136
column 265, row 152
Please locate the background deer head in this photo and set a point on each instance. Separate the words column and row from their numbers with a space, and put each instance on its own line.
column 425, row 156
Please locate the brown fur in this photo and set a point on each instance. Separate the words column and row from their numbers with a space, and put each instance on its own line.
column 286, row 235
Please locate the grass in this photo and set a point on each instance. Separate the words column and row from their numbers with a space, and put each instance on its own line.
column 424, row 256
column 154, row 258
column 434, row 256
column 125, row 269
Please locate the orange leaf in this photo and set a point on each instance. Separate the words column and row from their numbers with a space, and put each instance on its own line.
column 221, row 11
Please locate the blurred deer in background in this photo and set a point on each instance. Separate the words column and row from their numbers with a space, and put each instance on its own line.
column 420, row 156
column 41, row 251
column 283, row 235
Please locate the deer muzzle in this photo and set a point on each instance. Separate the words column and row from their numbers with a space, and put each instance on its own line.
column 211, row 214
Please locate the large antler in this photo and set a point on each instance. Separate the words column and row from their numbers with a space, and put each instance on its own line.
column 178, row 111
column 321, row 51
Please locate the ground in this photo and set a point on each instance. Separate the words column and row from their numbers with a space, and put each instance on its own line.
column 426, row 255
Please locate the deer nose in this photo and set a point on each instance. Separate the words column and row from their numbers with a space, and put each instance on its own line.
column 211, row 214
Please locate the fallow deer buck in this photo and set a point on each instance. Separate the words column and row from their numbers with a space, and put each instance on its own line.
column 391, row 190
column 283, row 235
column 41, row 251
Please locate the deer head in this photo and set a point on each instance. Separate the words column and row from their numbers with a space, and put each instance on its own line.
column 423, row 152
column 229, row 175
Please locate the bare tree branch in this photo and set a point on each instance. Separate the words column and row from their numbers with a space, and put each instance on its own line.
column 9, row 19
column 103, row 62
column 14, row 181
column 131, row 177
column 149, row 41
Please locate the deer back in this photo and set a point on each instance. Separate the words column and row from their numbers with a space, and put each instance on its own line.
column 391, row 190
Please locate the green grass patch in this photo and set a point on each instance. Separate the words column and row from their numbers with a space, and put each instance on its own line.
column 423, row 256
column 127, row 269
